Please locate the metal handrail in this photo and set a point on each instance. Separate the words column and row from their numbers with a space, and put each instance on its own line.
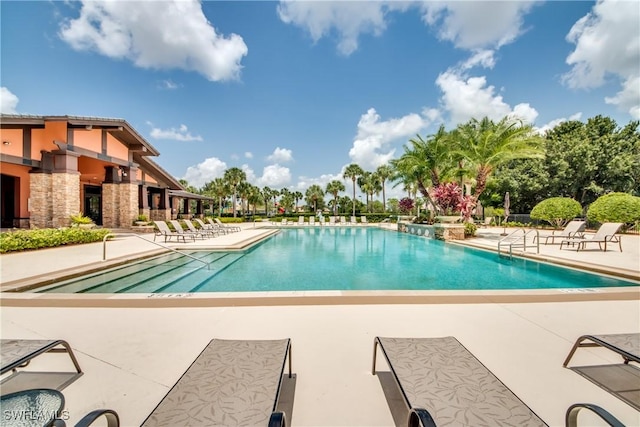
column 512, row 240
column 104, row 247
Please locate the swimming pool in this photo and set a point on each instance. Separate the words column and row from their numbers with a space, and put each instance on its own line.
column 334, row 258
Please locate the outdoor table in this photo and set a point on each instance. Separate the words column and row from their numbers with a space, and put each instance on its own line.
column 31, row 408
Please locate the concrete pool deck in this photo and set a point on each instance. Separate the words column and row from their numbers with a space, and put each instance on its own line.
column 131, row 356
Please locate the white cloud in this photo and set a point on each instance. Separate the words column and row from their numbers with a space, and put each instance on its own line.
column 553, row 123
column 274, row 176
column 464, row 23
column 465, row 98
column 180, row 134
column 8, row 101
column 160, row 35
column 248, row 155
column 204, row 172
column 280, row 155
column 168, row 85
column 347, row 19
column 304, row 182
column 370, row 144
column 608, row 45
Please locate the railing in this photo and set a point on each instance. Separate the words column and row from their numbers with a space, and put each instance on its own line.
column 104, row 247
column 515, row 240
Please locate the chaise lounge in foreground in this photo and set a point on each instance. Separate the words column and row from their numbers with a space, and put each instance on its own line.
column 443, row 384
column 231, row 383
column 620, row 379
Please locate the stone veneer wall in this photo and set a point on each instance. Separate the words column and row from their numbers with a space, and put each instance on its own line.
column 40, row 207
column 53, row 199
column 65, row 197
column 119, row 204
column 110, row 205
column 128, row 204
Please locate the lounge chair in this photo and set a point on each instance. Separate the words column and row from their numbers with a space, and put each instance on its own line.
column 606, row 233
column 17, row 353
column 343, row 220
column 442, row 384
column 573, row 230
column 301, row 220
column 353, row 221
column 164, row 230
column 217, row 227
column 208, row 227
column 178, row 227
column 227, row 227
column 202, row 232
column 312, row 220
column 363, row 219
column 229, row 383
column 621, row 379
column 332, row 220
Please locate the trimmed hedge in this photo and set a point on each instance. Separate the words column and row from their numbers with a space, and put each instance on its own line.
column 557, row 210
column 615, row 207
column 23, row 240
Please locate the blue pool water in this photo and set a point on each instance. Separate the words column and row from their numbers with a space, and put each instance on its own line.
column 335, row 258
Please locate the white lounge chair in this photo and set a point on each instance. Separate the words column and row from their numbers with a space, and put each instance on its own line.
column 573, row 230
column 606, row 233
column 164, row 230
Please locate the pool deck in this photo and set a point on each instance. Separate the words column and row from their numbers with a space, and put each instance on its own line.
column 133, row 349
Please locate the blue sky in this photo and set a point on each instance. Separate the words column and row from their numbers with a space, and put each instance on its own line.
column 294, row 91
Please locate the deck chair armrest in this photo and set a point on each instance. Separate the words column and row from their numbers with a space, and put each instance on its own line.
column 111, row 416
column 277, row 419
column 419, row 417
column 571, row 418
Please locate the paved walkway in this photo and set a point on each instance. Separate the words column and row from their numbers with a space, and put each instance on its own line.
column 132, row 356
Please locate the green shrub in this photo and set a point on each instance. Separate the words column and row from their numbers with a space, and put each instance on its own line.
column 79, row 218
column 22, row 240
column 230, row 220
column 557, row 210
column 615, row 207
column 470, row 229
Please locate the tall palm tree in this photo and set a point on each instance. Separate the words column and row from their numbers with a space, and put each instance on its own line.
column 313, row 194
column 353, row 171
column 297, row 196
column 365, row 182
column 219, row 189
column 244, row 189
column 234, row 176
column 384, row 172
column 254, row 197
column 335, row 187
column 485, row 145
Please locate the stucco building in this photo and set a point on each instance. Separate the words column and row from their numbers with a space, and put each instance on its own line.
column 55, row 166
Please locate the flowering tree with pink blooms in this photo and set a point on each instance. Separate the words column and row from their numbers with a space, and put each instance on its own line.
column 405, row 205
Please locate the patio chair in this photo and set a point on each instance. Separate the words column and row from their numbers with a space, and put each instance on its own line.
column 217, row 227
column 363, row 219
column 332, row 220
column 178, row 227
column 343, row 220
column 164, row 230
column 301, row 220
column 227, row 227
column 353, row 220
column 202, row 232
column 573, row 230
column 442, row 383
column 621, row 379
column 230, row 383
column 18, row 353
column 606, row 233
column 312, row 220
column 208, row 227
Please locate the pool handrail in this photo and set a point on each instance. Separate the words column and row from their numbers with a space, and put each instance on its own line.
column 513, row 240
column 104, row 247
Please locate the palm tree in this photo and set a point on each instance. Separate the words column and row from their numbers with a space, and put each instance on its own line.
column 384, row 172
column 425, row 162
column 254, row 197
column 234, row 176
column 365, row 182
column 219, row 189
column 244, row 188
column 485, row 145
column 313, row 194
column 335, row 187
column 297, row 196
column 353, row 171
